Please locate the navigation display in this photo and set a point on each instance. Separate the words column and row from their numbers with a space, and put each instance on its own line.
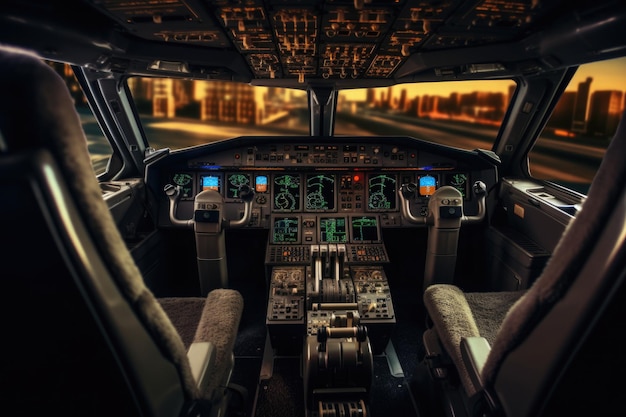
column 333, row 230
column 233, row 183
column 381, row 192
column 185, row 181
column 365, row 229
column 286, row 192
column 458, row 181
column 320, row 192
column 285, row 230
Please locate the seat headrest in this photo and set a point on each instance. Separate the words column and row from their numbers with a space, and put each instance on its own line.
column 38, row 112
column 37, row 109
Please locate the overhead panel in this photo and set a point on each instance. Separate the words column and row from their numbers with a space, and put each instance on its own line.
column 332, row 39
column 484, row 22
column 166, row 20
column 352, row 39
column 248, row 26
column 297, row 32
column 416, row 23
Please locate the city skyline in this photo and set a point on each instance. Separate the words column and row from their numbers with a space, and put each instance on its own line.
column 475, row 101
column 606, row 74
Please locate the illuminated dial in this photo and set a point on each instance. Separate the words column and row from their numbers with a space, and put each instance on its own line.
column 235, row 183
column 181, row 179
column 237, row 180
column 458, row 180
column 185, row 182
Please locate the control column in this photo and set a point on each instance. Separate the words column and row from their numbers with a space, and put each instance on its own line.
column 444, row 219
column 209, row 225
column 210, row 243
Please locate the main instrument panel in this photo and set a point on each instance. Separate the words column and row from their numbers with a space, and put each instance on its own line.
column 316, row 190
column 325, row 203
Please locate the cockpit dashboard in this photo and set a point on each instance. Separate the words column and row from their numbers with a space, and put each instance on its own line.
column 311, row 190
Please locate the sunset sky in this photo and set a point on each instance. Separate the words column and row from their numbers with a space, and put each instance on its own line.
column 607, row 75
column 437, row 89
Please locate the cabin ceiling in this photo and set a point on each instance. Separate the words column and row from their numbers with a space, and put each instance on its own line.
column 332, row 39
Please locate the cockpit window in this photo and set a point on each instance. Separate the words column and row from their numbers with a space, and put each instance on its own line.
column 574, row 140
column 97, row 144
column 464, row 114
column 182, row 113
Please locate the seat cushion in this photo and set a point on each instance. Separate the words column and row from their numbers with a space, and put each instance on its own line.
column 489, row 310
column 185, row 313
column 214, row 319
column 456, row 315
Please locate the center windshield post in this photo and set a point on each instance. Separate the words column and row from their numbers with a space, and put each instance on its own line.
column 322, row 105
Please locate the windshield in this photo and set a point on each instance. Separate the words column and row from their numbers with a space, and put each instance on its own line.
column 463, row 114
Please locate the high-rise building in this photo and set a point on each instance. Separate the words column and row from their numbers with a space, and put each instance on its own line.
column 579, row 118
column 604, row 113
column 228, row 102
column 402, row 103
column 163, row 104
column 563, row 112
column 371, row 97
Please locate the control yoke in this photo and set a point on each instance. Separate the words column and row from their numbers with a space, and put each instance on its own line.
column 173, row 194
column 445, row 203
column 206, row 204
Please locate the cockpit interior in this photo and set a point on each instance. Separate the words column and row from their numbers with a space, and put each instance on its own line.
column 313, row 208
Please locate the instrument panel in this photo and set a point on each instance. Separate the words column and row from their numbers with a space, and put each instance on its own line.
column 295, row 176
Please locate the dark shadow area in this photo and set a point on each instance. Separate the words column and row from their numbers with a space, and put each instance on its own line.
column 282, row 395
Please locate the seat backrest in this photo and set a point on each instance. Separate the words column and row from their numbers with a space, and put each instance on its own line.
column 543, row 331
column 82, row 322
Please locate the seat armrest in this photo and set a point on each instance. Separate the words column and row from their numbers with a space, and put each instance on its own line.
column 474, row 351
column 201, row 357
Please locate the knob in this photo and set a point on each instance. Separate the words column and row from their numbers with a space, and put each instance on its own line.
column 408, row 190
column 246, row 193
column 480, row 188
column 170, row 189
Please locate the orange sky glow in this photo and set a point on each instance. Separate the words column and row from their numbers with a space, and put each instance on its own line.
column 607, row 75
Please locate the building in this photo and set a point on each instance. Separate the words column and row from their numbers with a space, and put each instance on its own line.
column 604, row 113
column 579, row 118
